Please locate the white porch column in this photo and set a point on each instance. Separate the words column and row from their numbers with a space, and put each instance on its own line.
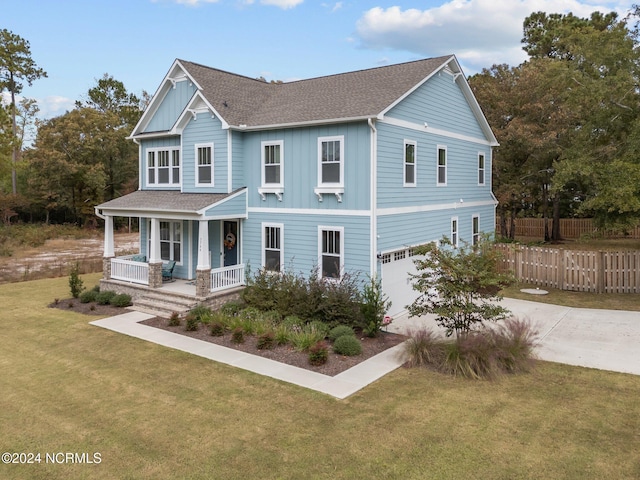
column 109, row 250
column 154, row 251
column 204, row 262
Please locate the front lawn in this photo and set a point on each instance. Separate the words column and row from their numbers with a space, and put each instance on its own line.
column 156, row 413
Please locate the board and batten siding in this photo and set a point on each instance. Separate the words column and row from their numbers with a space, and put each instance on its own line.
column 462, row 169
column 204, row 129
column 300, row 167
column 441, row 104
column 399, row 230
column 171, row 107
column 173, row 141
column 238, row 174
column 301, row 240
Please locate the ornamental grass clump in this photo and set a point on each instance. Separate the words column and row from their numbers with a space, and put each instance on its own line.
column 174, row 320
column 266, row 341
column 191, row 322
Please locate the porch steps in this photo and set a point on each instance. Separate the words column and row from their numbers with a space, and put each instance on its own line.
column 164, row 304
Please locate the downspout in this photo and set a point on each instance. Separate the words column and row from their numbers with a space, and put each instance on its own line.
column 373, row 232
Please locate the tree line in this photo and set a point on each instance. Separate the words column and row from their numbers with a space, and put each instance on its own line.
column 566, row 119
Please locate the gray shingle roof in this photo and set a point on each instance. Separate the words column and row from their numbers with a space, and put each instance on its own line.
column 166, row 200
column 365, row 93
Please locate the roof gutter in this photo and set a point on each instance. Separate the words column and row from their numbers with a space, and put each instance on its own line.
column 256, row 128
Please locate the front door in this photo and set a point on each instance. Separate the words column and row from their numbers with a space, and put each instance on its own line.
column 230, row 242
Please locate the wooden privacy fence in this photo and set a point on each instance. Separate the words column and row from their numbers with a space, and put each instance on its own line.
column 584, row 271
column 569, row 227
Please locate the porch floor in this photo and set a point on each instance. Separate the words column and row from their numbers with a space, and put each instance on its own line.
column 178, row 285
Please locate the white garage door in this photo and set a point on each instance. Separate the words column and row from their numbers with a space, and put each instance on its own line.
column 396, row 281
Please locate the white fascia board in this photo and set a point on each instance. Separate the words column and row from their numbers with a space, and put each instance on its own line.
column 167, row 84
column 184, row 118
column 256, row 128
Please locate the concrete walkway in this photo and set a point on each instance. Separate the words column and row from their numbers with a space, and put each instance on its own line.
column 340, row 386
column 602, row 339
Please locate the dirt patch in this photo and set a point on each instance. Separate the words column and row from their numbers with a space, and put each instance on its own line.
column 287, row 354
column 56, row 256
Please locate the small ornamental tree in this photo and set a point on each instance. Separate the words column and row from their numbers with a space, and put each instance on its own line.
column 459, row 285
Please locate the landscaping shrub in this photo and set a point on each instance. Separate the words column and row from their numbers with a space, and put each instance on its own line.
column 104, row 298
column 237, row 335
column 191, row 322
column 121, row 300
column 321, row 327
column 319, row 353
column 202, row 313
column 339, row 331
column 347, row 345
column 265, row 341
column 231, row 308
column 88, row 296
column 174, row 319
column 75, row 282
column 303, row 339
column 217, row 328
column 374, row 306
column 482, row 354
column 293, row 322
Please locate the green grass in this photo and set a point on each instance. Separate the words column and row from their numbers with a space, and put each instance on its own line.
column 156, row 413
column 608, row 301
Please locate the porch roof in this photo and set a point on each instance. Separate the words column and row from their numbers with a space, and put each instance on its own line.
column 175, row 204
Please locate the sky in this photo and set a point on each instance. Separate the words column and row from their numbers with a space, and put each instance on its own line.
column 136, row 41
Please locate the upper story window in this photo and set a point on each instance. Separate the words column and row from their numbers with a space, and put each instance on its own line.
column 330, row 166
column 475, row 230
column 272, row 169
column 163, row 166
column 480, row 168
column 330, row 252
column 442, row 165
column 204, row 164
column 272, row 247
column 409, row 163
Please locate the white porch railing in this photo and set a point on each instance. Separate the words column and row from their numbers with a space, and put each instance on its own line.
column 227, row 277
column 123, row 268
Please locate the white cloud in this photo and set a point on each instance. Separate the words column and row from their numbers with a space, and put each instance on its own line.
column 53, row 106
column 333, row 7
column 479, row 32
column 284, row 4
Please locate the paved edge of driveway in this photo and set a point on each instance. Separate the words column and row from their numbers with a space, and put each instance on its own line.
column 341, row 386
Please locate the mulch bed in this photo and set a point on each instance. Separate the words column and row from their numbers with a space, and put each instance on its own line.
column 282, row 353
column 287, row 354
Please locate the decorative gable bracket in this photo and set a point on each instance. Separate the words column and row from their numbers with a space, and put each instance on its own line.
column 276, row 191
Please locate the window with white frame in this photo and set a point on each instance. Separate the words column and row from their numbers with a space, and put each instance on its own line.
column 331, row 161
column 163, row 166
column 480, row 168
column 409, row 163
column 272, row 247
column 272, row 165
column 330, row 252
column 475, row 229
column 454, row 231
column 170, row 240
column 442, row 165
column 204, row 164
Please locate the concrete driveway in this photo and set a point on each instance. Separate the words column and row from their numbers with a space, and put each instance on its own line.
column 602, row 339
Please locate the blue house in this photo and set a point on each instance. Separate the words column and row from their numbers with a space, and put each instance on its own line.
column 343, row 173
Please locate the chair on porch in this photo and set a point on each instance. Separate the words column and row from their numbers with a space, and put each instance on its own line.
column 167, row 271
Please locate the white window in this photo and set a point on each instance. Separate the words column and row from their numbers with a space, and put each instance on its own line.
column 331, row 161
column 204, row 164
column 454, row 231
column 475, row 229
column 442, row 165
column 170, row 240
column 163, row 166
column 272, row 247
column 409, row 163
column 272, row 165
column 480, row 168
column 330, row 252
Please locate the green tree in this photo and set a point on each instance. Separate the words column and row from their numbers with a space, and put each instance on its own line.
column 459, row 285
column 16, row 67
column 110, row 95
